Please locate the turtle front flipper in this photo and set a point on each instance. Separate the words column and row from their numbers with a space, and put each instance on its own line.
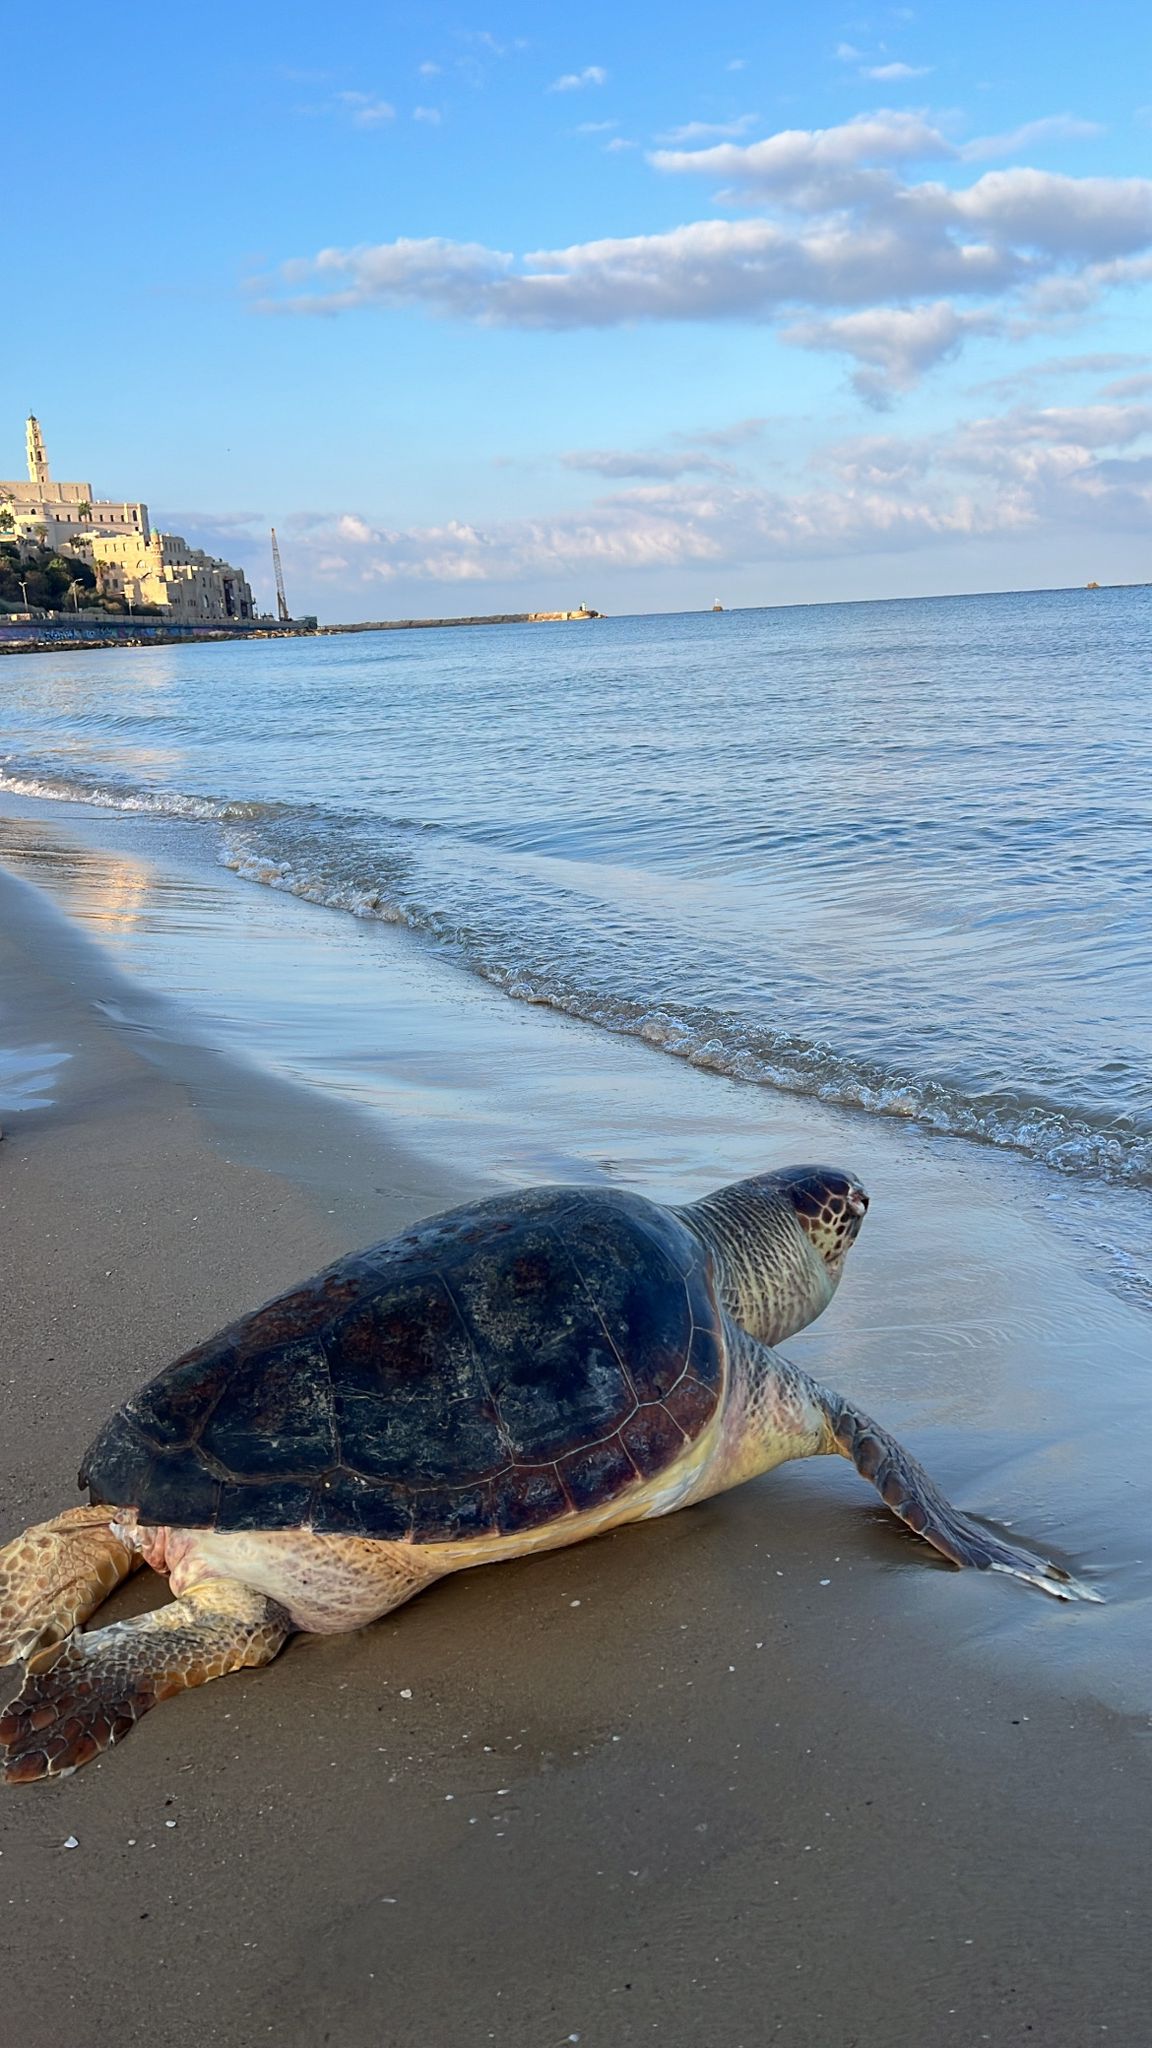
column 54, row 1576
column 906, row 1488
column 82, row 1695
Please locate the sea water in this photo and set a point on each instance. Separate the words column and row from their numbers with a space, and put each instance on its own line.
column 896, row 856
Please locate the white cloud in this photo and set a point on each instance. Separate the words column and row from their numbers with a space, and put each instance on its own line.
column 429, row 70
column 707, row 270
column 1098, row 218
column 575, row 81
column 647, row 462
column 796, row 157
column 432, row 115
column 733, row 436
column 1021, row 472
column 352, row 528
column 617, row 143
column 366, row 110
column 888, row 74
column 845, row 248
column 886, row 71
column 451, row 277
column 483, row 39
column 595, row 127
column 1011, row 439
column 1095, row 364
column 1053, row 128
column 216, row 531
column 874, row 461
column 690, row 454
column 893, row 345
column 1136, row 386
column 701, row 131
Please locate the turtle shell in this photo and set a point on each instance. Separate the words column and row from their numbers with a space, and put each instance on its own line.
column 490, row 1370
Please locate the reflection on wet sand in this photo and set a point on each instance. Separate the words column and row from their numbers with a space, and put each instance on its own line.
column 27, row 1073
column 102, row 890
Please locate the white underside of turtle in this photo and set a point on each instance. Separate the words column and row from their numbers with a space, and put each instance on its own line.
column 702, row 1402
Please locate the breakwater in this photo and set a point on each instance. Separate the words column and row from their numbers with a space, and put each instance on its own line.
column 489, row 619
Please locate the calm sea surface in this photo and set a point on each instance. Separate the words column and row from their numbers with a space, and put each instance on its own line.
column 897, row 856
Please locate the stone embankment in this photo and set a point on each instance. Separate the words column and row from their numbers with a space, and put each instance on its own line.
column 25, row 635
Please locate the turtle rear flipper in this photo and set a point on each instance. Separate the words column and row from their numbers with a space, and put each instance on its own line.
column 906, row 1488
column 54, row 1576
column 81, row 1696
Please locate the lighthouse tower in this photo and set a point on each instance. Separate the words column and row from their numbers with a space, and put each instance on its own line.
column 38, row 470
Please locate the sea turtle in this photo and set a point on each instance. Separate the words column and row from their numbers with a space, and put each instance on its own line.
column 507, row 1377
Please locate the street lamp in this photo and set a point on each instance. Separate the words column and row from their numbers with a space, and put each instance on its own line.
column 24, row 588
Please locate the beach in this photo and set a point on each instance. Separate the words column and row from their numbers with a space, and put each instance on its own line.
column 766, row 1770
column 576, row 789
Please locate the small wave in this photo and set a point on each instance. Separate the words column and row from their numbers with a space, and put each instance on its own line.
column 718, row 1041
column 724, row 1044
column 112, row 794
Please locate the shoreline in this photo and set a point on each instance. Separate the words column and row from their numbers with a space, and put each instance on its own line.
column 669, row 1784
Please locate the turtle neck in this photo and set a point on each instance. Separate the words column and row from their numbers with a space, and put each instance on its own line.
column 772, row 1280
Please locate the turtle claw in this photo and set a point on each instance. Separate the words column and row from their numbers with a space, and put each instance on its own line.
column 969, row 1544
column 1050, row 1579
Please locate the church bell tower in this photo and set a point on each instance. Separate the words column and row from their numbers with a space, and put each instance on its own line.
column 38, row 471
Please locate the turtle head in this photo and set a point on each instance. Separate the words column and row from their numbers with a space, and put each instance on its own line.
column 779, row 1242
column 830, row 1206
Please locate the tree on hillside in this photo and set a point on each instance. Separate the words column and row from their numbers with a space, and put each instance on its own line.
column 53, row 583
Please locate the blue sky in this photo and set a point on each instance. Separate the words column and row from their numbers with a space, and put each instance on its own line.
column 637, row 306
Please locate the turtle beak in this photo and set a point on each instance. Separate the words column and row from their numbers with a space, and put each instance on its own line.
column 857, row 1202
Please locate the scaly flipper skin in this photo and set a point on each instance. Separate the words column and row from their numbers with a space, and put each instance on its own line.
column 906, row 1488
column 56, row 1575
column 88, row 1692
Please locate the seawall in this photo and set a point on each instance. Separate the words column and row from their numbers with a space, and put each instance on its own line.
column 40, row 636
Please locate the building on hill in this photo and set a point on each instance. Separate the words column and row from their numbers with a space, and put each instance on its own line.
column 49, row 513
column 116, row 539
column 189, row 586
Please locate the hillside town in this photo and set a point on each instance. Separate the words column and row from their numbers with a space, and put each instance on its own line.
column 122, row 564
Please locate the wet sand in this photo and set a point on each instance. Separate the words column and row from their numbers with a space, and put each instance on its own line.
column 762, row 1772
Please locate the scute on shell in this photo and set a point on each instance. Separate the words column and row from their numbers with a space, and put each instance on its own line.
column 486, row 1372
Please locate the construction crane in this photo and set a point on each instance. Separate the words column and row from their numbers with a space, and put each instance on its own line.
column 282, row 611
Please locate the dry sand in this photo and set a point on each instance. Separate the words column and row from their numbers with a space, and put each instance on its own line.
column 668, row 1787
